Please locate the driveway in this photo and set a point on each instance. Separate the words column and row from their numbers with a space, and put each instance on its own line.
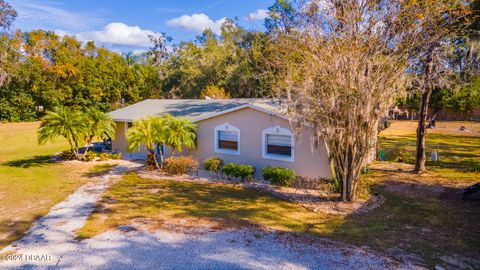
column 51, row 244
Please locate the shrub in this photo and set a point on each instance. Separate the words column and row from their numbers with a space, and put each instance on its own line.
column 278, row 175
column 242, row 171
column 104, row 156
column 89, row 156
column 67, row 155
column 116, row 155
column 180, row 165
column 213, row 164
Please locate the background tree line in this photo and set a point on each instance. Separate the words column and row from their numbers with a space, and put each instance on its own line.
column 43, row 70
column 338, row 64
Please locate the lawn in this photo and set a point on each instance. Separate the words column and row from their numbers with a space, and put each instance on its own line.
column 30, row 183
column 457, row 150
column 422, row 217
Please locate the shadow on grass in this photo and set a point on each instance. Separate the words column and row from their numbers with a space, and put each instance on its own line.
column 99, row 170
column 14, row 230
column 36, row 161
column 425, row 220
column 456, row 152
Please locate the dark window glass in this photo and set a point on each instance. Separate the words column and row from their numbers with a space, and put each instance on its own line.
column 280, row 145
column 228, row 140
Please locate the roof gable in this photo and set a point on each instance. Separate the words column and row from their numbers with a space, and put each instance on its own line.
column 194, row 109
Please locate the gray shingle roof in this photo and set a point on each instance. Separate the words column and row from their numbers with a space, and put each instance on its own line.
column 193, row 109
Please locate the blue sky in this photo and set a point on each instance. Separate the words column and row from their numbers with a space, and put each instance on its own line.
column 124, row 25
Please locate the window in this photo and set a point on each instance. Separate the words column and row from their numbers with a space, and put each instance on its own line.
column 127, row 126
column 278, row 144
column 227, row 139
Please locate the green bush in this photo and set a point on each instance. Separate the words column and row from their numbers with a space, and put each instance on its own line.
column 67, row 155
column 180, row 165
column 116, row 155
column 104, row 156
column 242, row 171
column 89, row 156
column 213, row 164
column 278, row 175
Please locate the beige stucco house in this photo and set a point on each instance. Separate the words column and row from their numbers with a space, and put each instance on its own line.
column 250, row 131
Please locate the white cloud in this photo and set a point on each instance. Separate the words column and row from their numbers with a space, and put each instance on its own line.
column 197, row 23
column 119, row 34
column 259, row 15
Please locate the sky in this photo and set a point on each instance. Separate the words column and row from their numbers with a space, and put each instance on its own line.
column 124, row 25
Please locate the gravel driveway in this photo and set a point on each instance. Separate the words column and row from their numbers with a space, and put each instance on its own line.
column 50, row 244
column 229, row 249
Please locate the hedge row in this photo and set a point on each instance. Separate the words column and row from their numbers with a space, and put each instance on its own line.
column 277, row 175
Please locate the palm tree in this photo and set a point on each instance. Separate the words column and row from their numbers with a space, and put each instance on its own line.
column 180, row 133
column 148, row 131
column 98, row 124
column 65, row 122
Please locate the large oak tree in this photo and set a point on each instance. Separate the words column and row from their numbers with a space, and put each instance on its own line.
column 341, row 66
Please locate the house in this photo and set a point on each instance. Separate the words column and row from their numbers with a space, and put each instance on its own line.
column 250, row 131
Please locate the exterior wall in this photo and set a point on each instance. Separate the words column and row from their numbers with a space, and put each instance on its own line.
column 308, row 161
column 120, row 143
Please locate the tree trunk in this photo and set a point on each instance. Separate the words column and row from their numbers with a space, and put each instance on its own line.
column 420, row 156
column 155, row 160
column 89, row 141
column 72, row 149
column 152, row 152
column 161, row 155
column 345, row 172
column 349, row 188
column 372, row 153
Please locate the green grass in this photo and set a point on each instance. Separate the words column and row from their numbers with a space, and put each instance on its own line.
column 457, row 150
column 136, row 197
column 422, row 215
column 30, row 183
column 428, row 227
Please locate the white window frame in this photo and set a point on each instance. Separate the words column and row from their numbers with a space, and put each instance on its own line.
column 226, row 127
column 126, row 126
column 277, row 130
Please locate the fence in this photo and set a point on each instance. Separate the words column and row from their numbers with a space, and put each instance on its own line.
column 443, row 114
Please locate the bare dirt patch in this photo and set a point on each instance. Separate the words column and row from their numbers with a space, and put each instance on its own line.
column 400, row 178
